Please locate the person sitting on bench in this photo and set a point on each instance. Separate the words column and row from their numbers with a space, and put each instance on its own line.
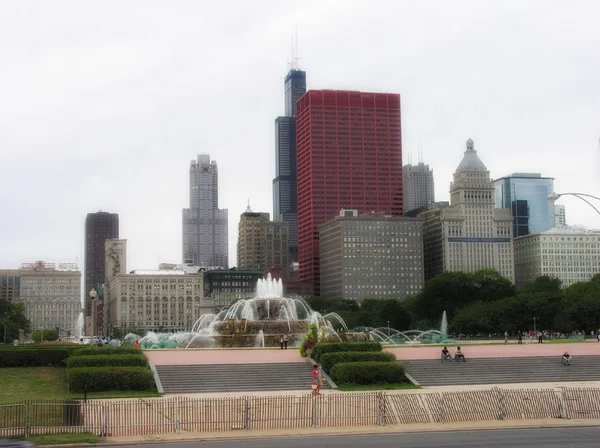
column 458, row 355
column 446, row 355
column 566, row 359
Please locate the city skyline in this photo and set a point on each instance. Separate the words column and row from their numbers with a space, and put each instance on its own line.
column 95, row 122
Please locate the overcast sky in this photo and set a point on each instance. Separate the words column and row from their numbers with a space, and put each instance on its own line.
column 104, row 104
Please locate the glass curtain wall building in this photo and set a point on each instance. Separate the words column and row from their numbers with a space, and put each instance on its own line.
column 285, row 184
column 526, row 196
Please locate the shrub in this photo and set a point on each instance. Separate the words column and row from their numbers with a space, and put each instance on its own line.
column 331, row 347
column 95, row 379
column 33, row 358
column 309, row 341
column 107, row 361
column 49, row 335
column 367, row 372
column 328, row 360
column 107, row 350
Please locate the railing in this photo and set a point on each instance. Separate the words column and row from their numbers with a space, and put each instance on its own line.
column 197, row 415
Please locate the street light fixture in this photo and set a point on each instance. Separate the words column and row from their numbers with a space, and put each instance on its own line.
column 554, row 196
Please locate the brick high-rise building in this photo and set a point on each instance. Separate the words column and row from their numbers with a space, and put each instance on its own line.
column 98, row 228
column 349, row 156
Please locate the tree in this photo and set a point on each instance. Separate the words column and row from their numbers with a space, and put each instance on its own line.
column 12, row 319
column 489, row 285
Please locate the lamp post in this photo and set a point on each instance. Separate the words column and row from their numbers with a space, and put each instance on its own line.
column 534, row 329
column 554, row 196
column 388, row 328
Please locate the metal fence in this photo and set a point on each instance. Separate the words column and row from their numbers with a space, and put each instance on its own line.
column 197, row 415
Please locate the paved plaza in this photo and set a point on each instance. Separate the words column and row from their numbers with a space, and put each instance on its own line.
column 415, row 352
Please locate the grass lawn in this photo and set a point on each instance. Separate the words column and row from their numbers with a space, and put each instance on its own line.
column 61, row 439
column 376, row 387
column 49, row 383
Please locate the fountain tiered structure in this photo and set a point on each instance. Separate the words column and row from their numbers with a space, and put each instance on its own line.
column 263, row 320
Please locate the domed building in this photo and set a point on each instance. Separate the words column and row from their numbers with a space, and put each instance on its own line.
column 472, row 233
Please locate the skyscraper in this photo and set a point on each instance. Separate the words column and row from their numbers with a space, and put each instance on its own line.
column 285, row 184
column 204, row 223
column 262, row 244
column 349, row 157
column 251, row 239
column 472, row 233
column 526, row 196
column 418, row 186
column 98, row 228
column 560, row 216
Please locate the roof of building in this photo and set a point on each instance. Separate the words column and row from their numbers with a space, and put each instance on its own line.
column 471, row 160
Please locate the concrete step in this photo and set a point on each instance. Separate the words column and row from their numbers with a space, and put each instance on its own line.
column 503, row 370
column 200, row 378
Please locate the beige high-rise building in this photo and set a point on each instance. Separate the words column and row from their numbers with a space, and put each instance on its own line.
column 371, row 256
column 52, row 297
column 572, row 255
column 262, row 244
column 472, row 233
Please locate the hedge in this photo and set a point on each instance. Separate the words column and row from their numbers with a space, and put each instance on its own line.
column 33, row 358
column 95, row 379
column 330, row 347
column 48, row 335
column 107, row 361
column 328, row 360
column 107, row 350
column 367, row 372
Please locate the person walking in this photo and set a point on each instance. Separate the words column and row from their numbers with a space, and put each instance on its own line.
column 285, row 341
column 540, row 337
column 316, row 376
column 505, row 337
column 281, row 342
column 520, row 337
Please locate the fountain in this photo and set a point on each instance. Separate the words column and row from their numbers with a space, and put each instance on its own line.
column 257, row 322
column 444, row 324
column 79, row 326
column 263, row 320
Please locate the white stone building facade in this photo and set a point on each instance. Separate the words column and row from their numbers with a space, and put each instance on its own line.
column 156, row 300
column 471, row 234
column 570, row 255
column 52, row 298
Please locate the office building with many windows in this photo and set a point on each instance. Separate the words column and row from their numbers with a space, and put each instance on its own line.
column 526, row 196
column 472, row 233
column 10, row 284
column 99, row 227
column 349, row 156
column 285, row 184
column 205, row 233
column 371, row 256
column 52, row 297
column 572, row 255
column 418, row 187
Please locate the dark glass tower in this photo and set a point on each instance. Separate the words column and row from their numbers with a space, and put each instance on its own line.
column 98, row 228
column 285, row 184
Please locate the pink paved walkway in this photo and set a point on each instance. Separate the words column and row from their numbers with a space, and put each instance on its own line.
column 511, row 350
column 222, row 356
column 248, row 356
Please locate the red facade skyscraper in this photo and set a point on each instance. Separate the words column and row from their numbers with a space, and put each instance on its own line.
column 349, row 155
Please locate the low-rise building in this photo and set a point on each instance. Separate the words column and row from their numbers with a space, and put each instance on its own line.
column 161, row 300
column 371, row 256
column 568, row 254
